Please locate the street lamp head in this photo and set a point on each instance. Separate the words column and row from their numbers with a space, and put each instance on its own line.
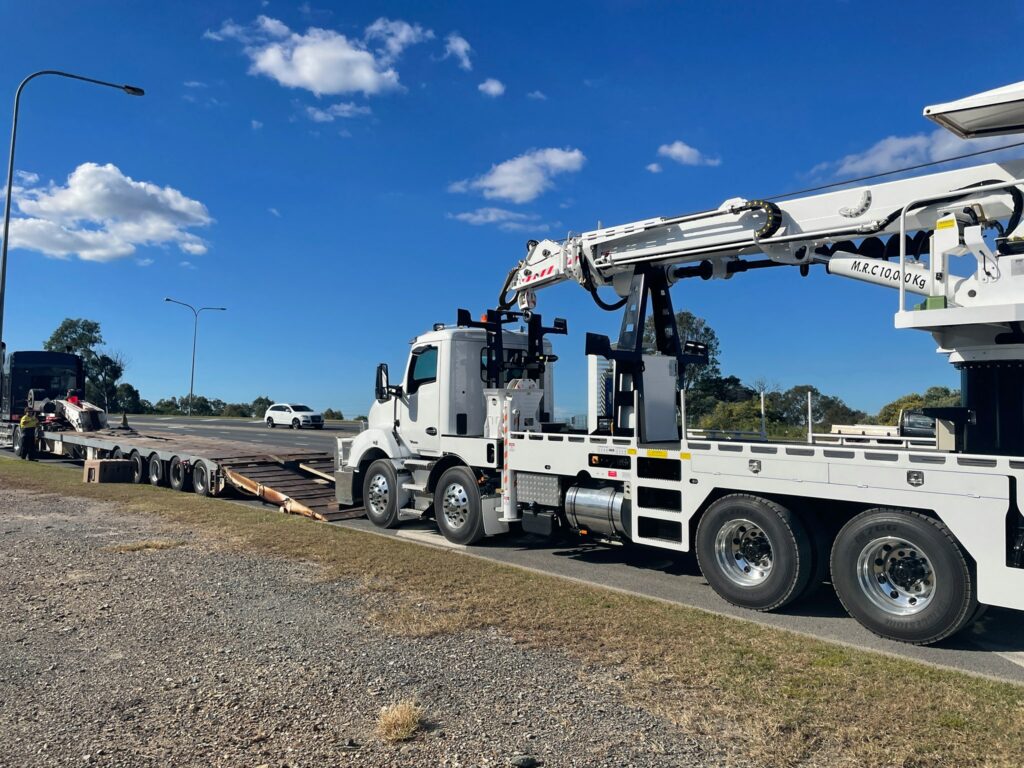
column 133, row 90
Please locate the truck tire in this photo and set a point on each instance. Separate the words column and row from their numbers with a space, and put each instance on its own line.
column 380, row 494
column 117, row 453
column 201, row 479
column 138, row 467
column 157, row 471
column 902, row 575
column 178, row 476
column 17, row 441
column 754, row 552
column 457, row 506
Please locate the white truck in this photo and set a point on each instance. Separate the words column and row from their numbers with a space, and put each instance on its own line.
column 916, row 538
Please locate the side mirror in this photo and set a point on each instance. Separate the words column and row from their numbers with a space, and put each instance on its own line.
column 381, row 388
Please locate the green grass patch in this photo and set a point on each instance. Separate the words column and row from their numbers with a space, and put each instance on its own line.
column 768, row 695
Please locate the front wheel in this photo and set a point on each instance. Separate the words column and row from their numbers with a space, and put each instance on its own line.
column 457, row 506
column 17, row 441
column 903, row 576
column 270, row 423
column 296, row 424
column 753, row 552
column 380, row 494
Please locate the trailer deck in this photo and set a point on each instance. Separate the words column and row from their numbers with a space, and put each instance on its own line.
column 297, row 482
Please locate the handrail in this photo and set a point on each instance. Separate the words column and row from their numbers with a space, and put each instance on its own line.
column 927, row 199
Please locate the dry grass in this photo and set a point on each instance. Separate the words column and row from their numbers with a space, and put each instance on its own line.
column 147, row 544
column 399, row 722
column 775, row 697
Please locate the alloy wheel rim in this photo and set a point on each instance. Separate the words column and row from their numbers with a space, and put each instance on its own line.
column 896, row 575
column 744, row 552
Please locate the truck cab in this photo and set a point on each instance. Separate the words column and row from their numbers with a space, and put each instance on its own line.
column 435, row 416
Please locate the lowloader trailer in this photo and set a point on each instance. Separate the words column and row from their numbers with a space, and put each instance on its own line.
column 298, row 482
column 916, row 536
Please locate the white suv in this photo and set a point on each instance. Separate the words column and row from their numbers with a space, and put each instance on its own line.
column 294, row 416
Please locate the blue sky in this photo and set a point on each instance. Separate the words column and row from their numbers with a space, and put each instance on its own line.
column 336, row 173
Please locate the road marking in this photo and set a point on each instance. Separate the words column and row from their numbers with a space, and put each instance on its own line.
column 429, row 538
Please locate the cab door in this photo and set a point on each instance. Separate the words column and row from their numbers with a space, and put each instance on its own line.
column 421, row 426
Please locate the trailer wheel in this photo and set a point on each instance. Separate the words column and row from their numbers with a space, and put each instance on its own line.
column 157, row 473
column 457, row 506
column 754, row 552
column 178, row 476
column 138, row 467
column 201, row 479
column 380, row 494
column 117, row 453
column 902, row 575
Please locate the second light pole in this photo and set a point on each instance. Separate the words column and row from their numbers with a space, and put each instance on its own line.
column 195, row 335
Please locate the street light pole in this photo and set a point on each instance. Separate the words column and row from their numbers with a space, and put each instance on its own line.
column 131, row 90
column 195, row 335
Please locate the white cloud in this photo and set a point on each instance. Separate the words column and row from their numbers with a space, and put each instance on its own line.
column 100, row 215
column 25, row 177
column 194, row 84
column 458, row 47
column 538, row 95
column 396, row 36
column 256, row 125
column 144, row 262
column 491, row 87
column 187, row 265
column 684, row 154
column 653, row 167
column 274, row 212
column 323, row 61
column 510, row 221
column 525, row 177
column 344, row 109
column 894, row 152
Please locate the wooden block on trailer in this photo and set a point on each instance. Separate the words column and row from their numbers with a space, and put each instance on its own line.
column 107, row 471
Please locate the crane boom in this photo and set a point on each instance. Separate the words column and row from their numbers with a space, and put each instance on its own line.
column 801, row 231
column 795, row 232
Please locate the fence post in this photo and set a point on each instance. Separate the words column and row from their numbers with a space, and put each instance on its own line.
column 810, row 419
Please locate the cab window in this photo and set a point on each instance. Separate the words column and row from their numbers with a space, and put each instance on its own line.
column 423, row 369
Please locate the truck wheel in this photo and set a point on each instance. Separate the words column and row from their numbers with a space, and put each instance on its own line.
column 457, row 506
column 380, row 494
column 903, row 576
column 157, row 474
column 138, row 467
column 17, row 441
column 753, row 552
column 117, row 453
column 178, row 476
column 270, row 423
column 201, row 479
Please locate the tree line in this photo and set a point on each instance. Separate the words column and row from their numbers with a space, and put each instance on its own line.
column 717, row 402
column 105, row 384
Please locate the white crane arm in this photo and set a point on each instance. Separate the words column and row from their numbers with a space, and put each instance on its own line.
column 788, row 232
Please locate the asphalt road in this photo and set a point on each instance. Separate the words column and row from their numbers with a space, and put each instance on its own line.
column 994, row 646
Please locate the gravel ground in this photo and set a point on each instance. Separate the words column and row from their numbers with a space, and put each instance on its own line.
column 191, row 655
